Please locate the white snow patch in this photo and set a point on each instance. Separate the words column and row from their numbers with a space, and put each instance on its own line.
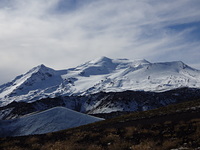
column 51, row 120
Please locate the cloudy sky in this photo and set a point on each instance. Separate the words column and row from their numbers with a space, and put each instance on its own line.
column 66, row 33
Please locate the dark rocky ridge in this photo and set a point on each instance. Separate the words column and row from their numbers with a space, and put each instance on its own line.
column 112, row 100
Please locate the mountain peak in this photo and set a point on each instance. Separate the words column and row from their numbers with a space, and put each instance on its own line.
column 101, row 59
column 40, row 68
column 141, row 61
column 176, row 65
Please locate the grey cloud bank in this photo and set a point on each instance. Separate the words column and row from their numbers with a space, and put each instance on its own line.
column 62, row 34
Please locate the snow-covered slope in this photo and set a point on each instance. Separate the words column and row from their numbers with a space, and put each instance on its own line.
column 102, row 74
column 55, row 119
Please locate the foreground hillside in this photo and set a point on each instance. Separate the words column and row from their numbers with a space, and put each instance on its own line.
column 51, row 120
column 172, row 127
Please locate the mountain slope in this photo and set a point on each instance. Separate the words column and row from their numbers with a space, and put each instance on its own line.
column 173, row 127
column 103, row 74
column 55, row 119
column 102, row 103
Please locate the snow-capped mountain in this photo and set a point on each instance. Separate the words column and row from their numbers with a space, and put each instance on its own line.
column 103, row 74
column 55, row 119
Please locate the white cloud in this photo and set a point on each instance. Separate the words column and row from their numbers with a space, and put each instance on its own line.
column 35, row 32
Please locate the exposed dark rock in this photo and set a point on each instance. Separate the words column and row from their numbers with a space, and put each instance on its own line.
column 96, row 103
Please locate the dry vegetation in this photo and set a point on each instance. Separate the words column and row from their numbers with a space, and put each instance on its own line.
column 165, row 128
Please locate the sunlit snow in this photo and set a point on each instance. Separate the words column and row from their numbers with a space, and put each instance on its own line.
column 102, row 74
